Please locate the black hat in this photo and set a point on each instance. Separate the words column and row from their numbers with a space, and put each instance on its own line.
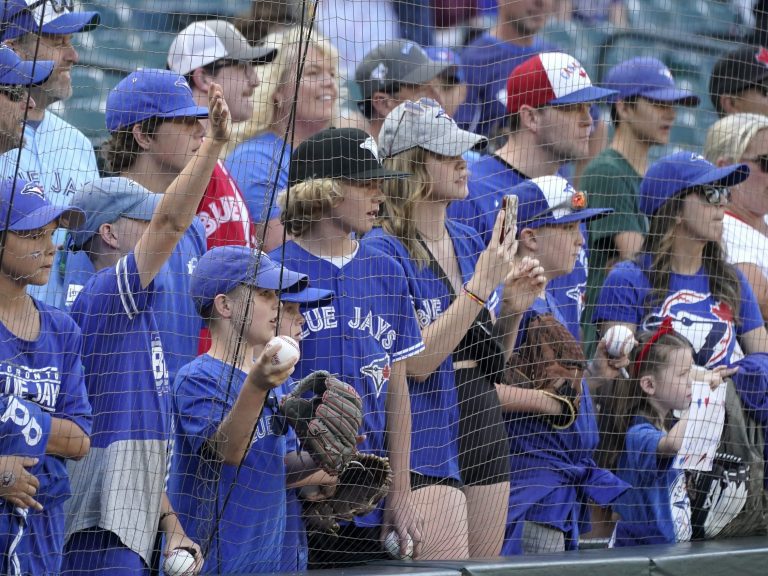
column 348, row 153
column 737, row 71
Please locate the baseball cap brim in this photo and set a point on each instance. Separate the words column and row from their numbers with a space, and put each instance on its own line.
column 309, row 296
column 186, row 112
column 71, row 218
column 424, row 73
column 377, row 174
column 577, row 216
column 72, row 23
column 274, row 278
column 254, row 54
column 28, row 72
column 725, row 176
column 145, row 209
column 673, row 95
column 458, row 144
column 588, row 94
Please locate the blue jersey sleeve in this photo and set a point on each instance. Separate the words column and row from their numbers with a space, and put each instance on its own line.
column 24, row 428
column 622, row 297
column 116, row 291
column 409, row 342
column 72, row 403
column 642, row 452
column 750, row 316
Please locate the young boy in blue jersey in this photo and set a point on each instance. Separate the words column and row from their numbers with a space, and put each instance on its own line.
column 548, row 125
column 553, row 474
column 120, row 502
column 228, row 473
column 45, row 418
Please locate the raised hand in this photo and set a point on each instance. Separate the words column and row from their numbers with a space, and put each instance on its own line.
column 495, row 262
column 219, row 119
column 522, row 285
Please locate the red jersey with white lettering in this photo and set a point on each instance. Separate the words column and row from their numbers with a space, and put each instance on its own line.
column 224, row 212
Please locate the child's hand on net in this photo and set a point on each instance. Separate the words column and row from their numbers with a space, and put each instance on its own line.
column 219, row 119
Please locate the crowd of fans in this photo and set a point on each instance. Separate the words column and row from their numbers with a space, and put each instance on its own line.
column 416, row 247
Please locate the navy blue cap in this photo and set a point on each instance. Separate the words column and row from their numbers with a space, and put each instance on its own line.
column 223, row 268
column 23, row 206
column 150, row 93
column 17, row 72
column 45, row 16
column 649, row 78
column 677, row 172
column 551, row 200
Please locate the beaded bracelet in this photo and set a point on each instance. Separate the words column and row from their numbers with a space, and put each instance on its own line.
column 474, row 297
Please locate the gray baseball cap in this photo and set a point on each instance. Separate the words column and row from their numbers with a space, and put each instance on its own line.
column 393, row 63
column 105, row 200
column 425, row 124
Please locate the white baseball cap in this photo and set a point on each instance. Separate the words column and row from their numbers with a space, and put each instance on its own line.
column 207, row 41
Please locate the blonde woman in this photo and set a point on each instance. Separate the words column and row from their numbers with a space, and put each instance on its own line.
column 259, row 164
column 744, row 138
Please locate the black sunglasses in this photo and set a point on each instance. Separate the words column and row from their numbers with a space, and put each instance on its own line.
column 761, row 161
column 716, row 195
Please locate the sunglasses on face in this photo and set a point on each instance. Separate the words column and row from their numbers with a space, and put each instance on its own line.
column 716, row 195
column 761, row 161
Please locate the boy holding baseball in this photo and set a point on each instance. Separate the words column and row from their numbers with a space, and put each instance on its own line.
column 228, row 472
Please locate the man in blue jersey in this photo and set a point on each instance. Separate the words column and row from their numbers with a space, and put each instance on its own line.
column 119, row 501
column 548, row 125
column 55, row 155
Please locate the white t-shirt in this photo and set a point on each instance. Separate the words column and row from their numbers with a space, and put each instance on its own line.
column 743, row 244
column 355, row 27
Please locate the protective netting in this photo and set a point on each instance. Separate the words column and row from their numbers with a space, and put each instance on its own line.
column 514, row 257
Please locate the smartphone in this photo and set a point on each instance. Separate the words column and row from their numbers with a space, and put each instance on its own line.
column 509, row 203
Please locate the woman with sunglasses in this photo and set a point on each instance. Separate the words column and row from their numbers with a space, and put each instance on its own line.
column 744, row 138
column 681, row 271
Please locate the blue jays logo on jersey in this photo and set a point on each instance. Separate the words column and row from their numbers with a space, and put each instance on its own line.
column 709, row 328
column 378, row 370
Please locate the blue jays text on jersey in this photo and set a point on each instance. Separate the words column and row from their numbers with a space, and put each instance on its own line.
column 325, row 317
column 40, row 385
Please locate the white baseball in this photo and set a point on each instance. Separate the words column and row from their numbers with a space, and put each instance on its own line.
column 619, row 341
column 179, row 563
column 289, row 351
column 392, row 546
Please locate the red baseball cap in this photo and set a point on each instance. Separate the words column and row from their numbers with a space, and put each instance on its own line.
column 551, row 78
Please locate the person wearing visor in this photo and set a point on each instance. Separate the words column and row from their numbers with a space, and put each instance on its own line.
column 125, row 371
column 220, row 398
column 681, row 271
column 643, row 112
column 46, row 415
column 553, row 474
column 55, row 155
column 16, row 77
column 333, row 200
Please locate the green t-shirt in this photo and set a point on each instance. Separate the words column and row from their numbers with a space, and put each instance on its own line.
column 610, row 182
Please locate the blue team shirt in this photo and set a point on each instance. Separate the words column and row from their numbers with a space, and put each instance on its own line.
column 249, row 534
column 177, row 319
column 657, row 509
column 260, row 172
column 487, row 63
column 434, row 409
column 39, row 380
column 553, row 473
column 369, row 326
column 708, row 325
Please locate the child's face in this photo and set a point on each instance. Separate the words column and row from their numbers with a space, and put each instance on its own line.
column 262, row 311
column 673, row 382
column 359, row 207
column 448, row 177
column 28, row 257
column 558, row 247
column 291, row 320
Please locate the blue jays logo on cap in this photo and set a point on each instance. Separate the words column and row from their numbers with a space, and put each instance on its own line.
column 378, row 370
column 32, row 188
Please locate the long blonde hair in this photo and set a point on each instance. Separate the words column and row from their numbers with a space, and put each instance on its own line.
column 401, row 196
column 290, row 45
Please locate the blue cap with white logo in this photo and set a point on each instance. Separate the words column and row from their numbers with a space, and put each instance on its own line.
column 649, row 78
column 23, row 206
column 21, row 17
column 150, row 93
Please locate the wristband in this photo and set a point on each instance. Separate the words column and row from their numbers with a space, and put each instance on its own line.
column 474, row 297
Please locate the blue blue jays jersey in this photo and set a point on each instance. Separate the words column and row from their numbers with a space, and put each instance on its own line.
column 487, row 63
column 710, row 326
column 246, row 534
column 553, row 473
column 435, row 414
column 177, row 319
column 369, row 326
column 657, row 509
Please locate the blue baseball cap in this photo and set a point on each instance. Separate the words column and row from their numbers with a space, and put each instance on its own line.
column 649, row 78
column 551, row 200
column 680, row 171
column 17, row 72
column 105, row 200
column 45, row 16
column 23, row 206
column 223, row 268
column 150, row 93
column 310, row 297
column 449, row 57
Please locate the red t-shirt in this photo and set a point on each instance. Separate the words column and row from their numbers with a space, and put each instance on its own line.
column 224, row 212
